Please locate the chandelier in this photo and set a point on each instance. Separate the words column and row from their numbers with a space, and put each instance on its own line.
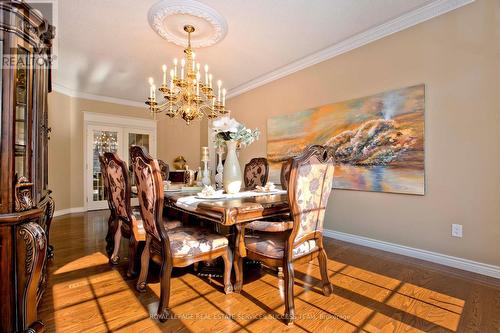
column 187, row 96
column 105, row 142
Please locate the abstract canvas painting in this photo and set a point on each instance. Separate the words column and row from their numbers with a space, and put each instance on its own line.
column 378, row 141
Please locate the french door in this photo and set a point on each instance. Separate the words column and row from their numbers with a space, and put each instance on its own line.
column 103, row 138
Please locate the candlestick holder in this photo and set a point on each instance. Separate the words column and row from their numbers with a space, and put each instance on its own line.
column 220, row 169
column 206, row 174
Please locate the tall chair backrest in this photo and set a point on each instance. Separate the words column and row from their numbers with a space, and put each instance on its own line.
column 285, row 173
column 164, row 169
column 149, row 191
column 119, row 188
column 256, row 172
column 309, row 186
column 102, row 164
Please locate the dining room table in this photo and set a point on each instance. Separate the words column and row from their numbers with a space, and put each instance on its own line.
column 227, row 212
column 229, row 209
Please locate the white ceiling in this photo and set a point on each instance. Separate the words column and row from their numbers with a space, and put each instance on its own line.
column 107, row 48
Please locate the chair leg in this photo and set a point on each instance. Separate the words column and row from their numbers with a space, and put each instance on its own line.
column 132, row 249
column 165, row 273
column 288, row 281
column 117, row 240
column 238, row 272
column 323, row 266
column 141, row 281
column 228, row 266
column 109, row 236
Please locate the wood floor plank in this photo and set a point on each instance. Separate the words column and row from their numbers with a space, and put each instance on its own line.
column 374, row 291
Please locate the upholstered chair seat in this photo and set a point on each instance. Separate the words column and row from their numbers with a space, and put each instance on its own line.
column 272, row 246
column 270, row 226
column 192, row 242
column 140, row 232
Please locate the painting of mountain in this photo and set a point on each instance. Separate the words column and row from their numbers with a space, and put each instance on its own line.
column 378, row 140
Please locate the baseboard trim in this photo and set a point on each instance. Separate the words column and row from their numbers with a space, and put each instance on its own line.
column 439, row 258
column 66, row 211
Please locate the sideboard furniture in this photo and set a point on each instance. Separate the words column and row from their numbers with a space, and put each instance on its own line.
column 26, row 207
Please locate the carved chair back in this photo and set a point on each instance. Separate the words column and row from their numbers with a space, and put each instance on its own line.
column 285, row 173
column 164, row 169
column 309, row 186
column 149, row 192
column 256, row 172
column 119, row 188
column 102, row 164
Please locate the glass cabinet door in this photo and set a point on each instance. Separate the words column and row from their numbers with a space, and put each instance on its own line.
column 21, row 128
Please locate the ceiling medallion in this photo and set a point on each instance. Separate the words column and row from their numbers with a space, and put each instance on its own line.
column 168, row 18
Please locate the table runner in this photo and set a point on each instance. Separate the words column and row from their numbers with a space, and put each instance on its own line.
column 193, row 201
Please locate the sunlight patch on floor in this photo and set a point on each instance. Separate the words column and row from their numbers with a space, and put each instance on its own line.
column 94, row 259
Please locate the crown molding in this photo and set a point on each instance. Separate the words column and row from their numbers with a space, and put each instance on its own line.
column 106, row 99
column 402, row 22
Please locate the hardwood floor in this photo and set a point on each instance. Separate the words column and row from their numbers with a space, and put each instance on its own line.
column 374, row 291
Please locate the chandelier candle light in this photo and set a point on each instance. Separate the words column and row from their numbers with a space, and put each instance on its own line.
column 185, row 95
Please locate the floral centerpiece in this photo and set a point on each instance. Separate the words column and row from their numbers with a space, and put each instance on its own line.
column 228, row 129
column 232, row 134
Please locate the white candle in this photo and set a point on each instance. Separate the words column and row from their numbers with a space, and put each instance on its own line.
column 224, row 97
column 172, row 75
column 153, row 89
column 164, row 67
column 219, row 85
column 206, row 75
column 213, row 103
column 175, row 67
column 210, row 80
column 198, row 84
column 183, row 63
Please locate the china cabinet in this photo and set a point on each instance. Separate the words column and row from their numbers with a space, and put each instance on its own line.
column 26, row 207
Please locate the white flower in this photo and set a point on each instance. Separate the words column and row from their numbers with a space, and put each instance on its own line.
column 225, row 124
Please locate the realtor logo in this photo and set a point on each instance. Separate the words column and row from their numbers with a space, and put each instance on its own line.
column 46, row 9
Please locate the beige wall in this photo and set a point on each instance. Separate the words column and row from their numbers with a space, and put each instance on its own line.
column 457, row 56
column 66, row 171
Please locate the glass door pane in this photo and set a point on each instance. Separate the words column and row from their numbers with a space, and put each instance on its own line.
column 104, row 142
column 100, row 141
column 141, row 138
column 21, row 114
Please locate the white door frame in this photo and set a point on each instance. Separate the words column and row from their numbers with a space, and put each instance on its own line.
column 125, row 124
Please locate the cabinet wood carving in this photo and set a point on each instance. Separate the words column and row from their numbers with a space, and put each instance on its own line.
column 26, row 207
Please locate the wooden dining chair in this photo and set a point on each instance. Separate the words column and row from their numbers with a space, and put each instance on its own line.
column 279, row 223
column 178, row 247
column 164, row 170
column 127, row 224
column 285, row 173
column 110, row 243
column 256, row 172
column 300, row 240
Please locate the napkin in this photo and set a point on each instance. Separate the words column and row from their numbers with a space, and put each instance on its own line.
column 208, row 191
column 267, row 188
